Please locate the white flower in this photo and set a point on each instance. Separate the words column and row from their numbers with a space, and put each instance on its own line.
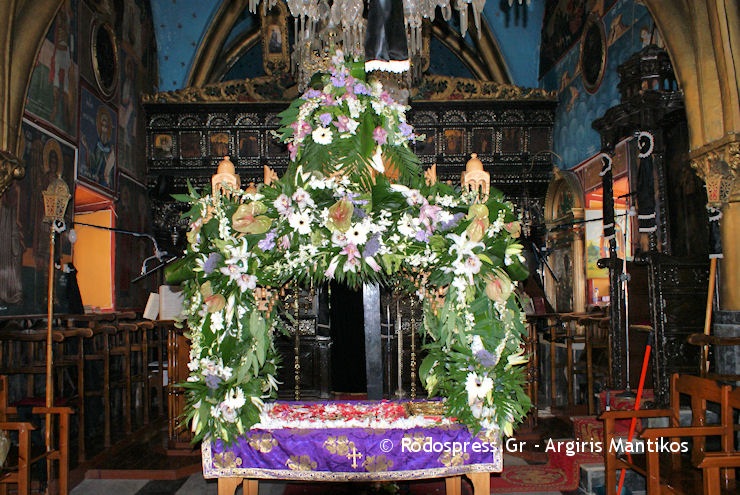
column 217, row 321
column 357, row 234
column 477, row 386
column 246, row 282
column 215, row 412
column 414, row 197
column 355, row 107
column 406, row 227
column 339, row 238
column 282, row 204
column 239, row 253
column 228, row 413
column 377, row 160
column 301, row 222
column 446, row 200
column 302, row 198
column 462, row 245
column 470, row 267
column 235, row 398
column 477, row 344
column 322, row 135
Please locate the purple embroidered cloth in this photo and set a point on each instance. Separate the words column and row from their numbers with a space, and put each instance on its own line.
column 345, row 454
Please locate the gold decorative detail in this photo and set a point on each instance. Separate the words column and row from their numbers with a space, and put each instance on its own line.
column 489, row 436
column 450, row 458
column 226, row 460
column 417, row 441
column 263, row 442
column 11, row 168
column 300, row 463
column 476, row 180
column 426, row 408
column 354, row 456
column 338, row 445
column 283, row 88
column 437, row 88
column 262, row 89
column 226, row 174
column 718, row 165
column 377, row 464
column 269, row 175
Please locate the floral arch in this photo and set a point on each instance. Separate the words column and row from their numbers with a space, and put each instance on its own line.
column 336, row 215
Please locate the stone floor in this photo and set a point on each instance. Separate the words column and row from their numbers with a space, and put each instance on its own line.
column 197, row 485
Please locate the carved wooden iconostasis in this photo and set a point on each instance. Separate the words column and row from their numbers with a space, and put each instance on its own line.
column 565, row 285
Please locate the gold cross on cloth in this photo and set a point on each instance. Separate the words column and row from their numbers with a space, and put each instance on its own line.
column 354, row 456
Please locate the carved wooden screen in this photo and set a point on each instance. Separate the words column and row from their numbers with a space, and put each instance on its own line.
column 186, row 141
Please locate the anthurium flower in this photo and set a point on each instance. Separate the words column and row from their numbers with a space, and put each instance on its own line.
column 249, row 219
column 498, row 286
column 513, row 228
column 477, row 228
column 216, row 302
column 340, row 215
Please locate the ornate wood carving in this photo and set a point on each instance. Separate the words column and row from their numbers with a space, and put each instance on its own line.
column 186, row 143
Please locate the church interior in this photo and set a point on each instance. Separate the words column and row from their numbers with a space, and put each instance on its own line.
column 545, row 195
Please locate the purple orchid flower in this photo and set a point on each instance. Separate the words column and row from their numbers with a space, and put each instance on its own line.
column 361, row 89
column 372, row 246
column 325, row 119
column 451, row 224
column 268, row 242
column 211, row 262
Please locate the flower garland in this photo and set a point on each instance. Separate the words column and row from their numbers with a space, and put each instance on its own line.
column 350, row 122
column 460, row 257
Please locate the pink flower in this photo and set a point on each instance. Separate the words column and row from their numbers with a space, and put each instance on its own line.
column 284, row 242
column 380, row 135
column 351, row 251
column 293, row 151
column 328, row 100
column 372, row 263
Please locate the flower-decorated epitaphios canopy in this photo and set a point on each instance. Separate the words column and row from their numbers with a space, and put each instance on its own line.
column 336, row 215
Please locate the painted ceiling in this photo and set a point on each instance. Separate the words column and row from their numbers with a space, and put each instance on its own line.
column 180, row 26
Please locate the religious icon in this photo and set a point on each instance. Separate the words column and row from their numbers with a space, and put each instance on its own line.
column 248, row 145
column 275, row 43
column 482, row 139
column 162, row 146
column 190, row 145
column 453, row 141
column 539, row 139
column 511, row 140
column 426, row 146
column 275, row 148
column 52, row 93
column 219, row 144
column 98, row 133
column 127, row 115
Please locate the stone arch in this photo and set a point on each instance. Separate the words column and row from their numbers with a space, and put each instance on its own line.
column 211, row 62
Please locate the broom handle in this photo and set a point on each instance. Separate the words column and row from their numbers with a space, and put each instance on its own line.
column 633, row 423
column 708, row 316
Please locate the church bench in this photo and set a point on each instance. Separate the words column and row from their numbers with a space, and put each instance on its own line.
column 675, row 473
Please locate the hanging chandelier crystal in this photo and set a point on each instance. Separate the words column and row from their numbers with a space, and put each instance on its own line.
column 323, row 25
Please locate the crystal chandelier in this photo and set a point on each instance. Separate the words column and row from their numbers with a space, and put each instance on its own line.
column 320, row 25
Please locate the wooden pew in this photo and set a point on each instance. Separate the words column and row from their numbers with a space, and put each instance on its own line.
column 681, row 475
